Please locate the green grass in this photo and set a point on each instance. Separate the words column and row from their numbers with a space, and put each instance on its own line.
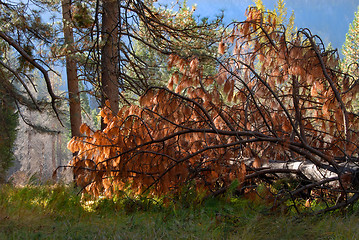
column 56, row 212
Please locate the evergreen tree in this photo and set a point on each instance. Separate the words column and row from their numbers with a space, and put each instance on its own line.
column 350, row 48
column 24, row 72
column 24, row 44
column 143, row 37
column 151, row 64
column 8, row 124
column 71, row 70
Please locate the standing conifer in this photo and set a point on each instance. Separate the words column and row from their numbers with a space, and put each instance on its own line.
column 71, row 71
column 350, row 47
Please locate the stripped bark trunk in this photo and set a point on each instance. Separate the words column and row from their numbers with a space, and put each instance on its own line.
column 306, row 170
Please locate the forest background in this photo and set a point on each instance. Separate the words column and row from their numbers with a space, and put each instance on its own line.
column 129, row 57
column 159, row 115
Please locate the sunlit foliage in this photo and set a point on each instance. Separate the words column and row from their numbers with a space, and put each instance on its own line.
column 273, row 99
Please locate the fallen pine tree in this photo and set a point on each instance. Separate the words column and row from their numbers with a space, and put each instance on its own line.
column 278, row 108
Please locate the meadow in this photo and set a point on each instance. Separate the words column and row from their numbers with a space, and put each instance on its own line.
column 59, row 212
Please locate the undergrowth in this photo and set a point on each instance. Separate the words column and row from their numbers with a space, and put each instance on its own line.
column 59, row 212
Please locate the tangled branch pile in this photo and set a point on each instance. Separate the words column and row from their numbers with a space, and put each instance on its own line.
column 276, row 108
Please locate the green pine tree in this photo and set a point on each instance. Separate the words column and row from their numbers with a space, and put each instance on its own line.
column 350, row 48
column 8, row 124
column 151, row 69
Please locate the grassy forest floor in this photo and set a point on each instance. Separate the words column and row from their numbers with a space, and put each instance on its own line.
column 56, row 212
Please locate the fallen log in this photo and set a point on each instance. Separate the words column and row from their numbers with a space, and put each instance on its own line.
column 304, row 170
column 343, row 180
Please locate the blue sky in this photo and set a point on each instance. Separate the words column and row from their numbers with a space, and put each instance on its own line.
column 329, row 19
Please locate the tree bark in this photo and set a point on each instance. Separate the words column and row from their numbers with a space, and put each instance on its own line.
column 110, row 55
column 71, row 71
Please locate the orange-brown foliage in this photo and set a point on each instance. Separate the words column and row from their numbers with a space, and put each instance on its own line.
column 273, row 100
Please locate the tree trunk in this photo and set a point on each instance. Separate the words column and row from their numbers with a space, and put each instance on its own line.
column 71, row 71
column 110, row 55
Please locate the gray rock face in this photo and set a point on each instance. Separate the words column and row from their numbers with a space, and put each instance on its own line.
column 39, row 149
